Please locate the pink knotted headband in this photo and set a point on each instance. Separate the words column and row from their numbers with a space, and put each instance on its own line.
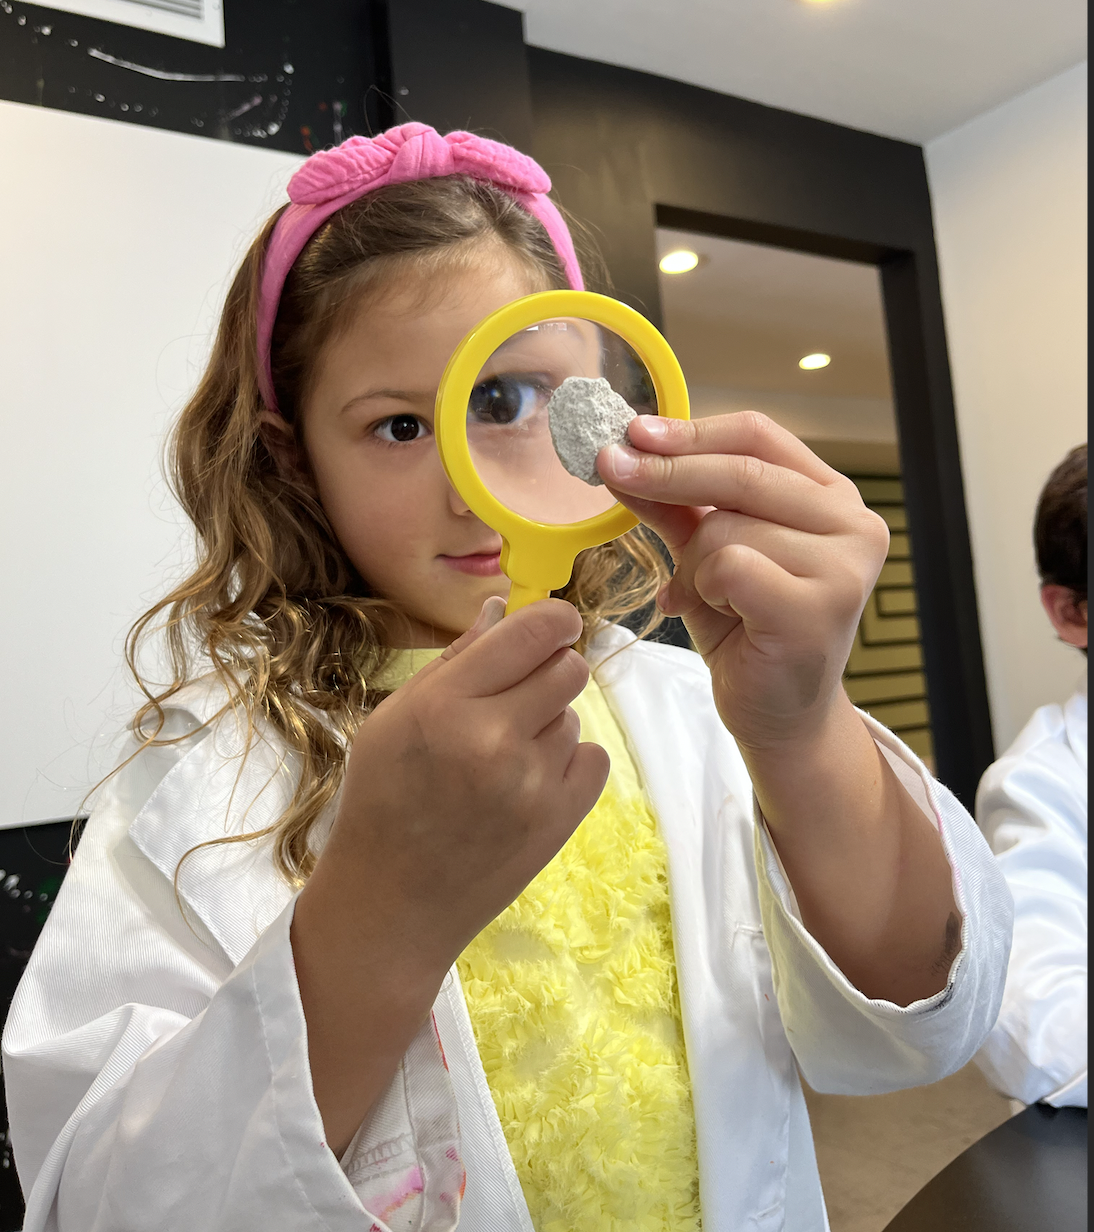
column 333, row 178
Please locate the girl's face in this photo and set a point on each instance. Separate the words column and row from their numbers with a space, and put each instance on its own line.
column 368, row 434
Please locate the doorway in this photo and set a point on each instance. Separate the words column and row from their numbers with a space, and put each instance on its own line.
column 802, row 338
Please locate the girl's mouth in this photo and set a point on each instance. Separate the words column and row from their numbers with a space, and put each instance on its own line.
column 478, row 564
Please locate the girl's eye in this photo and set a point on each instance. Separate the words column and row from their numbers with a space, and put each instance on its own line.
column 506, row 399
column 401, row 429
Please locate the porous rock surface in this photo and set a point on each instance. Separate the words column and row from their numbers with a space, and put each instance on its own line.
column 585, row 415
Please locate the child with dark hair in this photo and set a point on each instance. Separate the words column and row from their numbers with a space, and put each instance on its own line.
column 1032, row 808
column 1059, row 536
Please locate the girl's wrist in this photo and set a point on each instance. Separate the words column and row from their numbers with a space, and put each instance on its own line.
column 806, row 739
column 384, row 942
column 828, row 775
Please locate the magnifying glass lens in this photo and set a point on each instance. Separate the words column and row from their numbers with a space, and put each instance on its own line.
column 512, row 405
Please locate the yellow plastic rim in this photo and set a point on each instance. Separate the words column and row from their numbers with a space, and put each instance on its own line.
column 538, row 557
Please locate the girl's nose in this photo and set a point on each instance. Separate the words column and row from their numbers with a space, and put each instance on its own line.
column 456, row 502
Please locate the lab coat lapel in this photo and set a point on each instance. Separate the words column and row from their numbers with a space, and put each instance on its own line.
column 739, row 1061
column 211, row 793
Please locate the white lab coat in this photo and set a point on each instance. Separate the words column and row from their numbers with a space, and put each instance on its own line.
column 158, row 1074
column 1031, row 807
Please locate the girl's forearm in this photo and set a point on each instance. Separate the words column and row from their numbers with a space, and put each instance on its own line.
column 867, row 866
column 366, row 993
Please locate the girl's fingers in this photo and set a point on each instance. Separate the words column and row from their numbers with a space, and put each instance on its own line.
column 797, row 552
column 492, row 612
column 739, row 581
column 747, row 433
column 674, row 525
column 586, row 776
column 561, row 734
column 849, row 565
column 532, row 705
column 502, row 656
column 560, row 743
column 743, row 483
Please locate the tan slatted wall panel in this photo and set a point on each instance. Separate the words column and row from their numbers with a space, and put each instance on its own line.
column 885, row 672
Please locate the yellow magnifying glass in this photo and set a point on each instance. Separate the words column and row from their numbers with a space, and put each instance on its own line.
column 493, row 425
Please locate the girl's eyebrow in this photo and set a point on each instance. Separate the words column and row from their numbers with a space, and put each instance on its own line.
column 396, row 395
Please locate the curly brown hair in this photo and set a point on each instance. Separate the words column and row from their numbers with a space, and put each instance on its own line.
column 273, row 607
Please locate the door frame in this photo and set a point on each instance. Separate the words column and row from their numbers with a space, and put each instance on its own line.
column 629, row 152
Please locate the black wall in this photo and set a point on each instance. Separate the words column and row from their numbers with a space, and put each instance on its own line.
column 461, row 64
column 33, row 862
column 293, row 75
column 627, row 151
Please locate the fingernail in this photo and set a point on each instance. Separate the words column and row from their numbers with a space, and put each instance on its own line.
column 654, row 425
column 622, row 462
column 493, row 610
column 662, row 596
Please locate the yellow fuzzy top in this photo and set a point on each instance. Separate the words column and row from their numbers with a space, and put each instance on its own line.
column 573, row 1000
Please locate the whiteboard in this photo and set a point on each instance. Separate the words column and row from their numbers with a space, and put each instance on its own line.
column 117, row 243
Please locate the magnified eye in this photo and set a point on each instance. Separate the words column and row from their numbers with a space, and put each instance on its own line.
column 506, row 399
column 401, row 429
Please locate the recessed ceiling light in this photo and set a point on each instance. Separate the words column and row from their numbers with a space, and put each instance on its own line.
column 817, row 360
column 678, row 262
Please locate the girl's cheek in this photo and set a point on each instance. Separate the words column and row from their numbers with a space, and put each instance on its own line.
column 389, row 524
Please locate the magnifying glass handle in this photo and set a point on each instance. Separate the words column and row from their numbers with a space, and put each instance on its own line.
column 520, row 596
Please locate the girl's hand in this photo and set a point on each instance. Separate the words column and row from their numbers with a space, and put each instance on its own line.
column 468, row 780
column 775, row 556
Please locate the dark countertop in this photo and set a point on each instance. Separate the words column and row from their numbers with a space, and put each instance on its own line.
column 1029, row 1175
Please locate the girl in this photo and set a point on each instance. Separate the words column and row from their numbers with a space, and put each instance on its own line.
column 333, row 951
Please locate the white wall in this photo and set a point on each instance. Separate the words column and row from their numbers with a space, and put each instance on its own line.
column 1009, row 192
column 116, row 245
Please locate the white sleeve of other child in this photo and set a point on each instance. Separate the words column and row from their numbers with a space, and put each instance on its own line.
column 157, row 1068
column 849, row 1044
column 1032, row 806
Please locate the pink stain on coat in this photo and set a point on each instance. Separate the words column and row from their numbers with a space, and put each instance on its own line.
column 410, row 1186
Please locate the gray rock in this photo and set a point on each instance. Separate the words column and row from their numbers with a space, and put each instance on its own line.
column 585, row 415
